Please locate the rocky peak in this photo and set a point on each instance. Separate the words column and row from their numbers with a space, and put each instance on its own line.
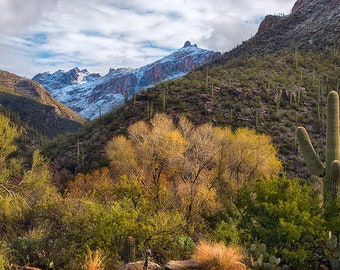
column 268, row 22
column 72, row 76
column 188, row 44
column 299, row 4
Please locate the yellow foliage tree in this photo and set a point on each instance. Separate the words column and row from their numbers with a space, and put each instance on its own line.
column 193, row 167
column 253, row 156
column 150, row 153
column 243, row 157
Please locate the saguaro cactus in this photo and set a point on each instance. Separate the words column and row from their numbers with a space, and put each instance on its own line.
column 129, row 252
column 330, row 171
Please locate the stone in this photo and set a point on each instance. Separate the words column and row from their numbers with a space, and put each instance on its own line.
column 182, row 265
column 140, row 266
column 26, row 268
column 194, row 265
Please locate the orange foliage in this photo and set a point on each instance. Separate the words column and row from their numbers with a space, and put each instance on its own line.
column 97, row 185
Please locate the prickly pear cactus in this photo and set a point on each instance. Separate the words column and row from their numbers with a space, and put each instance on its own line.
column 256, row 255
column 331, row 170
column 257, row 259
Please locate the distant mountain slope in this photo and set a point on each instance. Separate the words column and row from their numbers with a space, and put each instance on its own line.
column 312, row 24
column 35, row 106
column 91, row 95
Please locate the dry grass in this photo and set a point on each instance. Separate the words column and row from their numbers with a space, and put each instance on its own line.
column 94, row 260
column 216, row 256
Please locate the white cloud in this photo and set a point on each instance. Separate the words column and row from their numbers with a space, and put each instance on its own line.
column 17, row 15
column 45, row 35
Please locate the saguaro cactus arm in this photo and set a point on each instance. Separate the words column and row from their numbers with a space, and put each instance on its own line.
column 309, row 155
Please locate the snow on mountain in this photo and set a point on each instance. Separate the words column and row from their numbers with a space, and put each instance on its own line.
column 91, row 95
column 60, row 78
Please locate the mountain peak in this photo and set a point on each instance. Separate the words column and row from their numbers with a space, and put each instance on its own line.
column 90, row 98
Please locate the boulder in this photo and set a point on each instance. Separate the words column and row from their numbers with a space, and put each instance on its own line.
column 182, row 265
column 140, row 266
column 26, row 268
column 191, row 264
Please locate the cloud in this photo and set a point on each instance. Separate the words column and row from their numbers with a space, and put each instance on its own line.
column 227, row 33
column 17, row 16
column 98, row 34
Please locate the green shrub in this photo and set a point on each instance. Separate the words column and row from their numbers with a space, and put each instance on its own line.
column 285, row 215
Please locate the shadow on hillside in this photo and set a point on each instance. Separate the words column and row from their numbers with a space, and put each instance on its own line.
column 43, row 118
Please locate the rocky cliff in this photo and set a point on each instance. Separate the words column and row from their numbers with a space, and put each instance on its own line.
column 91, row 95
column 312, row 24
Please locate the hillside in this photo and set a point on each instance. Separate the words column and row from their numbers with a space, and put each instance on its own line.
column 36, row 107
column 273, row 94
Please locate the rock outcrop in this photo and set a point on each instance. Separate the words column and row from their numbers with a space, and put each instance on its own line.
column 299, row 4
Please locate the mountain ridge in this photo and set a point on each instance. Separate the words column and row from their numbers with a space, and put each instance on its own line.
column 99, row 95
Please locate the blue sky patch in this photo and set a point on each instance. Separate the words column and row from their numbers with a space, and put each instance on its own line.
column 39, row 38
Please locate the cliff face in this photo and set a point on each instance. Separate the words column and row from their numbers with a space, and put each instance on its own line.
column 299, row 4
column 90, row 95
column 311, row 24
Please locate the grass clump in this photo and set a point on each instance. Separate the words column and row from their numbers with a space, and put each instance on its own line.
column 217, row 256
column 94, row 260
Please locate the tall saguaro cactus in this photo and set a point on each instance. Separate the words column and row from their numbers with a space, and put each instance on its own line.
column 330, row 171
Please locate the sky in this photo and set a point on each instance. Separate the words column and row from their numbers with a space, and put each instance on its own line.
column 48, row 35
